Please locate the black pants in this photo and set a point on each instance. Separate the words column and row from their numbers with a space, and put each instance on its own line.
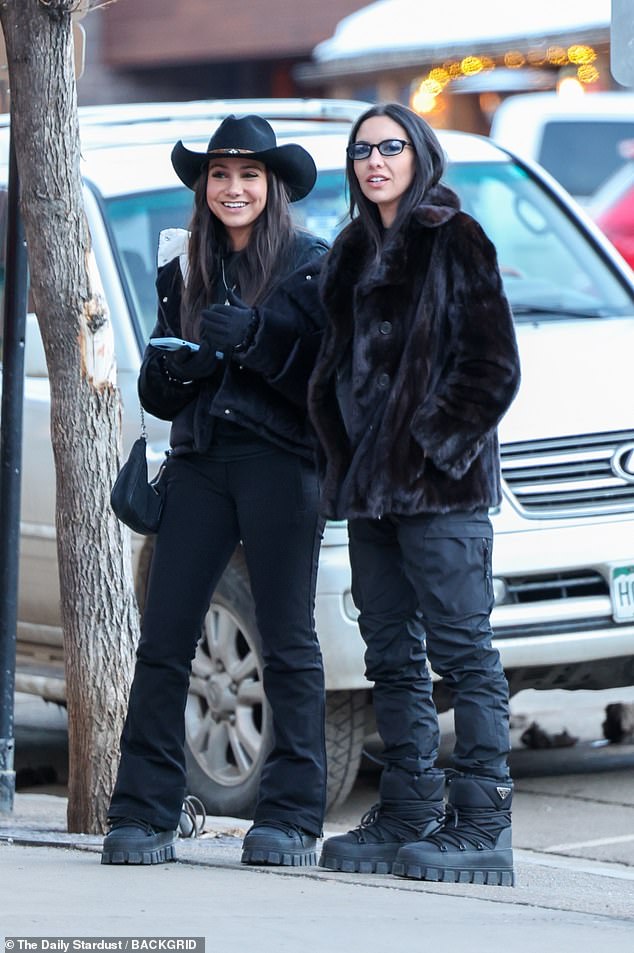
column 267, row 498
column 423, row 586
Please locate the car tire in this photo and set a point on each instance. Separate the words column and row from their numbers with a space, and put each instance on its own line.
column 228, row 725
column 345, row 735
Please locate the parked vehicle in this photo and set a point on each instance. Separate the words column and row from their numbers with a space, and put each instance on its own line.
column 612, row 208
column 577, row 139
column 564, row 552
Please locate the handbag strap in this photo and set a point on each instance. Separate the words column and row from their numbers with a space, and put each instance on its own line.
column 144, row 436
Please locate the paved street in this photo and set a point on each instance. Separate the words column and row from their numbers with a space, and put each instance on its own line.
column 54, row 892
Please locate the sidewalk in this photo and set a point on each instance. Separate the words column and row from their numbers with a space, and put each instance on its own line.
column 56, row 886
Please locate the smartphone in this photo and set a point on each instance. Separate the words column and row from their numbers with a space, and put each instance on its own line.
column 173, row 344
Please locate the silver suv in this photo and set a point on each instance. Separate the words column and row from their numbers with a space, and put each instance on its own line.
column 564, row 551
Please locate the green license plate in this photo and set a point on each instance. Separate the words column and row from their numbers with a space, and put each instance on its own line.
column 622, row 593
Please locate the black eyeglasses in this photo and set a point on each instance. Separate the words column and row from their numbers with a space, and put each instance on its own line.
column 389, row 147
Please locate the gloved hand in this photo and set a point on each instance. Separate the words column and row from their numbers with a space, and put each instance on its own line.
column 227, row 327
column 186, row 365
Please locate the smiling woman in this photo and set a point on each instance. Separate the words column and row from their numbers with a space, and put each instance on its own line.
column 236, row 194
column 241, row 471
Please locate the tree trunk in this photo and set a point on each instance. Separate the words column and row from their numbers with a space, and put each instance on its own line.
column 99, row 611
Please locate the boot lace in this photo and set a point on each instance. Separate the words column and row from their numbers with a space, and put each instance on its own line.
column 379, row 824
column 475, row 827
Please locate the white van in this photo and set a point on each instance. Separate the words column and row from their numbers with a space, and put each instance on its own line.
column 578, row 139
column 563, row 559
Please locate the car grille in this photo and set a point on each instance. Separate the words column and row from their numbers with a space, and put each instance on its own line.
column 553, row 603
column 561, row 585
column 568, row 476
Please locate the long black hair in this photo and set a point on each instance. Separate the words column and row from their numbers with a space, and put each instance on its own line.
column 429, row 166
column 256, row 266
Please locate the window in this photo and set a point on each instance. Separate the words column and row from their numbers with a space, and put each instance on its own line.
column 581, row 155
column 545, row 260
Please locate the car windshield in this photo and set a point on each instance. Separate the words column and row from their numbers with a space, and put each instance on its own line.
column 548, row 265
column 550, row 269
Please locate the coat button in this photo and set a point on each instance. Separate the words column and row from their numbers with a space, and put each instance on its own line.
column 165, row 300
column 227, row 411
column 385, row 327
column 383, row 381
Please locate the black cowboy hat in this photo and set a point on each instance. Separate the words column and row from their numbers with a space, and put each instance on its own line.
column 254, row 136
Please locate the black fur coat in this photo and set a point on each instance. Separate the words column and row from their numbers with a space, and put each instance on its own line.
column 422, row 358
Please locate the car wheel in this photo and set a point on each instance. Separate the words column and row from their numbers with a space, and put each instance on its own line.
column 228, row 730
column 228, row 725
column 345, row 734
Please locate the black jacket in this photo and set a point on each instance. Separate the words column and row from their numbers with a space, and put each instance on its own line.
column 424, row 350
column 265, row 389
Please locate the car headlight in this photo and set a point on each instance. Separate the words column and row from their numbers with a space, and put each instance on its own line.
column 500, row 591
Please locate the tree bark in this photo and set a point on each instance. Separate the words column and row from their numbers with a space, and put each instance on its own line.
column 99, row 611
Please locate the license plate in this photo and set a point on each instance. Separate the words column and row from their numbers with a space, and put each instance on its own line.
column 622, row 592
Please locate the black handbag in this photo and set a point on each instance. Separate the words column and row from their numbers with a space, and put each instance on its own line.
column 135, row 500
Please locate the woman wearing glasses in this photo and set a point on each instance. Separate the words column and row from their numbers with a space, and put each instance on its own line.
column 418, row 365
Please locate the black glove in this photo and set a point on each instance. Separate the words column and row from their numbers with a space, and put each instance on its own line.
column 229, row 327
column 185, row 365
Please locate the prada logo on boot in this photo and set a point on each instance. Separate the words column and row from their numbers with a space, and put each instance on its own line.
column 503, row 792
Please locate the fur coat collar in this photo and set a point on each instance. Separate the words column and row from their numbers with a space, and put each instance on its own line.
column 352, row 249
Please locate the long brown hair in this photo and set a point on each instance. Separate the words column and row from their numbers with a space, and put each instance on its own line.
column 209, row 244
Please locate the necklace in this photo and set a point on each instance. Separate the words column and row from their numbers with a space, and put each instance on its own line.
column 224, row 281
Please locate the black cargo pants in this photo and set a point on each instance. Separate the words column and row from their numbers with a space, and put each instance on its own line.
column 423, row 586
column 267, row 498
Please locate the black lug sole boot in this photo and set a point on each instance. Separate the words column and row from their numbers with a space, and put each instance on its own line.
column 132, row 841
column 277, row 844
column 410, row 807
column 474, row 843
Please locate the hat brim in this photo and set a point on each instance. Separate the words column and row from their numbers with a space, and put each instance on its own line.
column 295, row 167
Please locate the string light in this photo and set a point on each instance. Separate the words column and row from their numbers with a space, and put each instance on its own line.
column 423, row 102
column 588, row 74
column 439, row 75
column 536, row 57
column 471, row 65
column 556, row 55
column 514, row 59
column 426, row 96
column 581, row 55
column 453, row 69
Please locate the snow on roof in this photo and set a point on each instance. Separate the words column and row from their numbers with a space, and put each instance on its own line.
column 419, row 24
